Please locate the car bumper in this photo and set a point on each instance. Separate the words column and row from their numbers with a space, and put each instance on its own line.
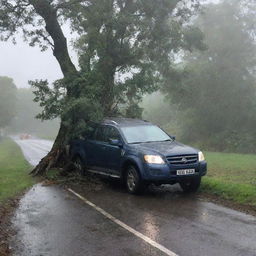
column 168, row 173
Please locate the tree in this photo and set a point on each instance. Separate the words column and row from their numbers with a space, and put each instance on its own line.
column 125, row 49
column 7, row 101
column 217, row 92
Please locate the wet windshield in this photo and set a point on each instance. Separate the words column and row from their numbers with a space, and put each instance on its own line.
column 144, row 133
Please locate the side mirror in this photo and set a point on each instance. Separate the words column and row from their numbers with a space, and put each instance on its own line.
column 172, row 137
column 115, row 142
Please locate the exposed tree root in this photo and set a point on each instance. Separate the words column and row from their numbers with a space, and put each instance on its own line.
column 54, row 159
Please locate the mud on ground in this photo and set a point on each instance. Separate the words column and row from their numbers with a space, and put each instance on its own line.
column 6, row 212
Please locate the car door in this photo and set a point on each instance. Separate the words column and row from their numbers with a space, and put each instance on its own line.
column 88, row 144
column 112, row 152
column 96, row 147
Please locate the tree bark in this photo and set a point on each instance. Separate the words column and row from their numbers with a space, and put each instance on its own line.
column 57, row 156
column 60, row 49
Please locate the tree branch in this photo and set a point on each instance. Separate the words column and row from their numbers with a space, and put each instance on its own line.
column 60, row 49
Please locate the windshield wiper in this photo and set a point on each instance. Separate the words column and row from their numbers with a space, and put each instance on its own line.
column 157, row 141
column 139, row 142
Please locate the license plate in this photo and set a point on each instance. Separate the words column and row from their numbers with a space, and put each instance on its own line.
column 186, row 172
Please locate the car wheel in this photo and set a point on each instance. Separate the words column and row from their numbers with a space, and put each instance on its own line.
column 133, row 181
column 190, row 185
column 79, row 165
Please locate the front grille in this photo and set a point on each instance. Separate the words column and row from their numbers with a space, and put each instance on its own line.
column 182, row 160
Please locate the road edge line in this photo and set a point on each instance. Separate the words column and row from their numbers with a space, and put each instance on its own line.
column 125, row 226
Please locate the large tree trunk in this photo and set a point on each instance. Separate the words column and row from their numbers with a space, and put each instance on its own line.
column 57, row 156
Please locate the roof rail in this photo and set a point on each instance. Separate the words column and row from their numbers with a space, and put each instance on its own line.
column 111, row 121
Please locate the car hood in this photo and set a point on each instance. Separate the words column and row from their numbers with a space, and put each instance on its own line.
column 166, row 148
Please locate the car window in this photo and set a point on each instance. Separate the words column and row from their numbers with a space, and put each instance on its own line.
column 112, row 133
column 144, row 133
column 100, row 134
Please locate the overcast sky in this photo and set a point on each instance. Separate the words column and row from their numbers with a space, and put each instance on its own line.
column 22, row 62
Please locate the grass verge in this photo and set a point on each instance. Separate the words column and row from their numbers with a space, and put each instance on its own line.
column 14, row 171
column 231, row 177
column 14, row 179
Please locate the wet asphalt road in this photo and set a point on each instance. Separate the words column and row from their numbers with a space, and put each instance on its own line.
column 52, row 221
column 33, row 149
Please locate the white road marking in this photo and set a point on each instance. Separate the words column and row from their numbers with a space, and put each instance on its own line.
column 123, row 225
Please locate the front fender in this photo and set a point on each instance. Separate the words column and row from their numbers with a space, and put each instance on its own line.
column 135, row 160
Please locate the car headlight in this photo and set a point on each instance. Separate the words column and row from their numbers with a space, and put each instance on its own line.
column 153, row 159
column 200, row 156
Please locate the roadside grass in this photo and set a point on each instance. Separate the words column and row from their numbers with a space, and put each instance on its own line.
column 231, row 177
column 14, row 170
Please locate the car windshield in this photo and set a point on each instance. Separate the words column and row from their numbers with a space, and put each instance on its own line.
column 144, row 133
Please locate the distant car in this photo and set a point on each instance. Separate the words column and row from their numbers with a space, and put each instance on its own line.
column 138, row 153
column 25, row 136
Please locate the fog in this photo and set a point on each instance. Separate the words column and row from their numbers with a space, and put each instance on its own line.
column 211, row 105
column 23, row 63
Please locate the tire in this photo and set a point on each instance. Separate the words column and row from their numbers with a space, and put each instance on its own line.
column 190, row 185
column 133, row 180
column 79, row 165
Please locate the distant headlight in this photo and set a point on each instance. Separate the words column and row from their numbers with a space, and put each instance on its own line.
column 201, row 156
column 153, row 159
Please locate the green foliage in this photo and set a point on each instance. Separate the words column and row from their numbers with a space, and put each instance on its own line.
column 216, row 94
column 125, row 49
column 74, row 109
column 14, row 170
column 16, row 15
column 7, row 101
column 50, row 99
column 129, row 46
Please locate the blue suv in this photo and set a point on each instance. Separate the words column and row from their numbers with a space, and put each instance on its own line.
column 138, row 153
